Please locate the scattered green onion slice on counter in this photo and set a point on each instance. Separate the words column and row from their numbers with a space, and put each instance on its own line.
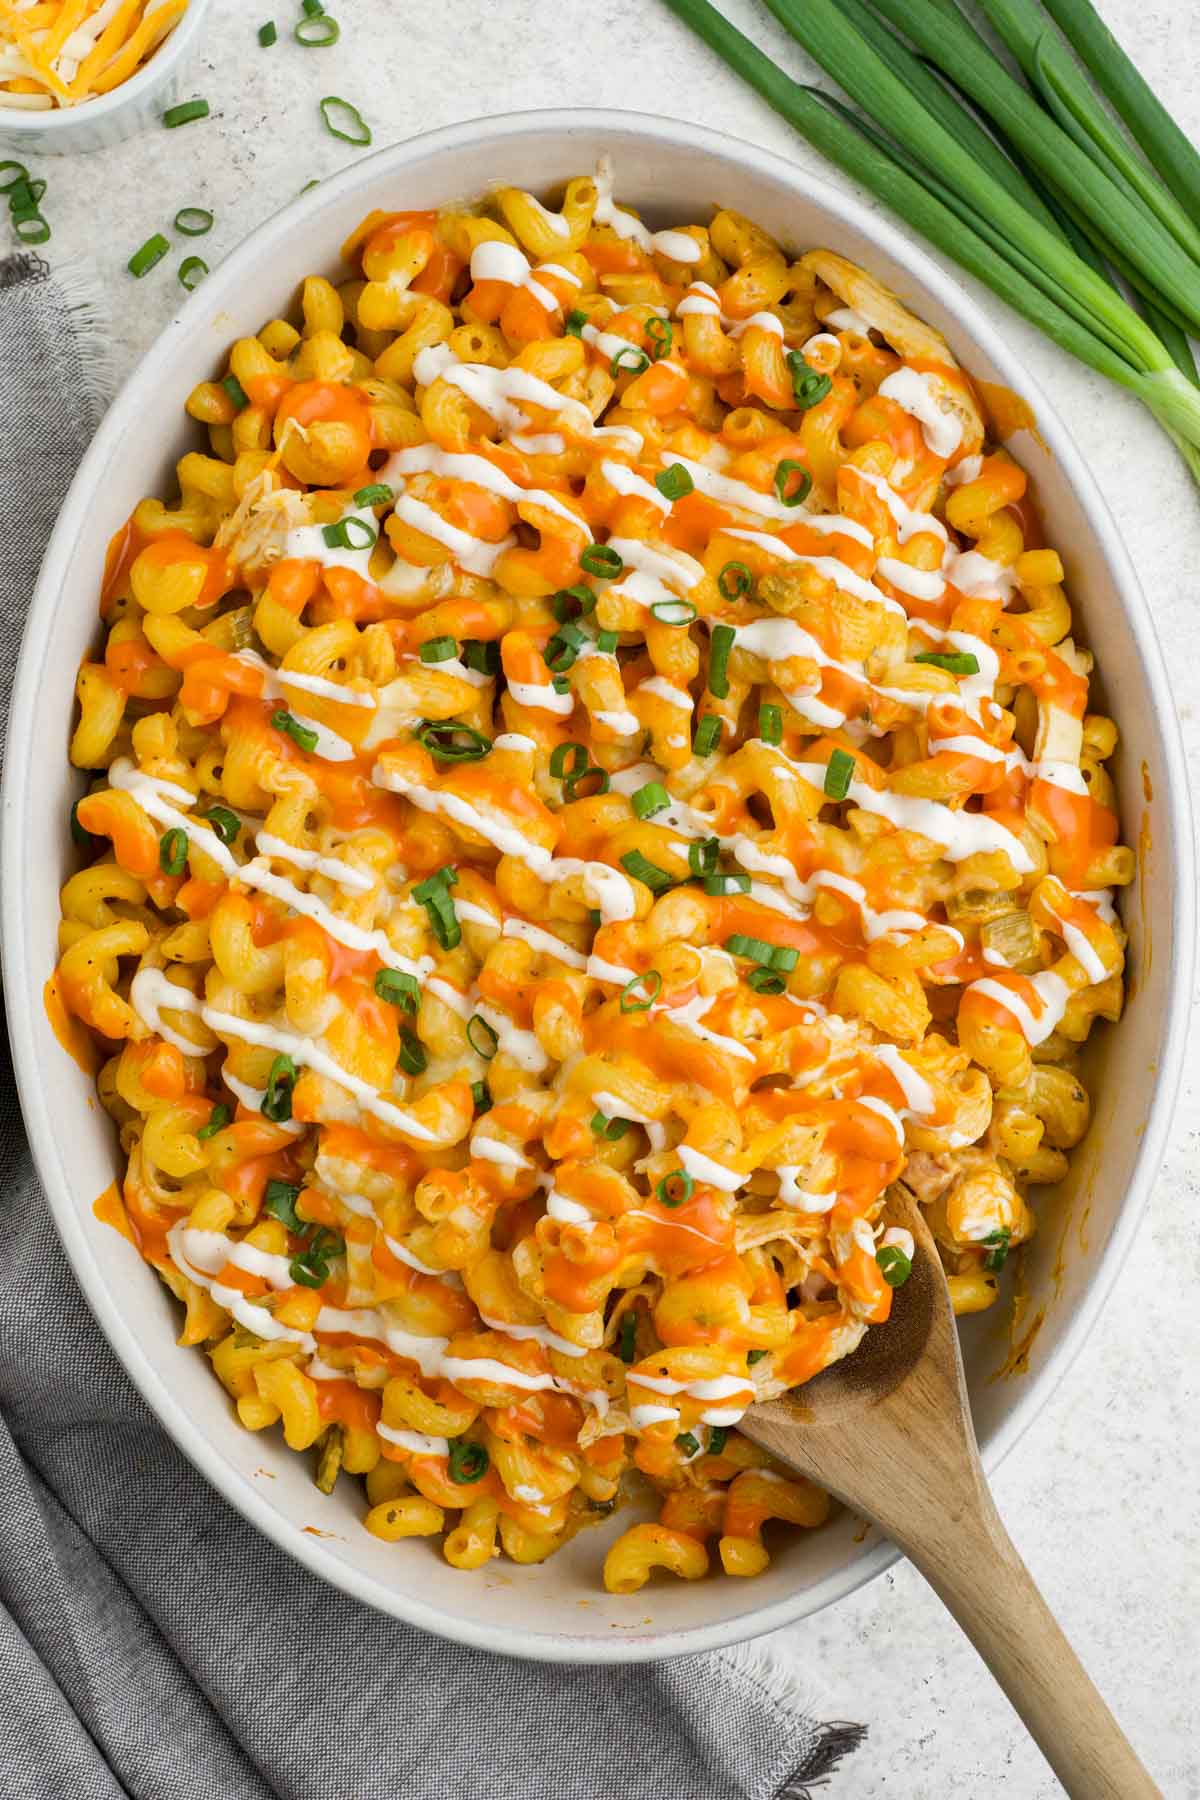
column 10, row 174
column 279, row 1201
column 218, row 1119
column 962, row 663
column 569, row 759
column 376, row 493
column 708, row 734
column 894, row 1266
column 183, row 115
column 702, row 856
column 277, row 1101
column 574, row 322
column 398, row 989
column 770, row 724
column 839, row 773
column 611, row 1129
column 687, row 1443
column 468, row 1461
column 793, row 483
column 484, row 658
column 628, row 361
column 640, row 994
column 643, row 870
column 312, row 8
column 336, row 113
column 627, row 1336
column 675, row 1189
column 448, row 741
column 351, row 534
column 651, row 799
column 573, row 602
column 147, row 255
column 32, row 230
column 434, row 895
column 193, row 221
column 438, row 649
column 999, row 1242
column 673, row 612
column 224, row 822
column 722, row 642
column 766, row 981
column 721, row 884
column 303, row 736
column 317, row 32
column 481, row 1095
column 606, row 642
column 412, row 1058
column 603, row 560
column 754, row 1356
column 236, row 392
column 659, row 333
column 192, row 271
column 674, row 482
column 482, row 1037
column 717, row 1435
column 267, row 34
column 735, row 581
column 173, row 851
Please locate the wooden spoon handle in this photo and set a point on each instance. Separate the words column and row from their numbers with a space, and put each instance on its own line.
column 993, row 1596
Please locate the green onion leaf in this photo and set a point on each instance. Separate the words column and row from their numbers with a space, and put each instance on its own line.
column 302, row 735
column 611, row 1129
column 839, row 773
column 434, row 895
column 717, row 1435
column 793, row 483
column 311, row 1267
column 193, row 221
column 708, row 734
column 376, row 493
column 353, row 534
column 562, row 649
column 483, row 658
column 482, row 1097
column 574, row 322
column 469, row 1462
column 687, row 1443
column 755, row 1356
column 656, row 879
column 735, row 581
column 627, row 1336
column 344, row 121
column 999, row 1243
column 192, row 271
column 629, row 361
column 606, row 642
column 757, row 949
column 770, row 724
column 659, row 332
column 218, row 1119
column 651, row 799
column 267, row 34
column 766, row 981
column 603, row 560
column 640, row 994
column 674, row 483
column 561, row 684
column 809, row 387
column 961, row 663
column 11, row 173
column 183, row 115
column 702, row 856
column 720, row 886
column 595, row 779
column 481, row 1037
column 33, row 230
column 173, row 851
column 317, row 33
column 412, row 1058
column 149, row 253
column 894, row 1266
column 449, row 742
column 236, row 392
column 438, row 649
column 573, row 602
column 279, row 1201
column 224, row 822
column 673, row 612
column 398, row 989
column 674, row 1189
column 718, row 660
column 569, row 759
column 277, row 1101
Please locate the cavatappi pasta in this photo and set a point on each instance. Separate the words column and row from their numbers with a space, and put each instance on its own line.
column 62, row 52
column 591, row 785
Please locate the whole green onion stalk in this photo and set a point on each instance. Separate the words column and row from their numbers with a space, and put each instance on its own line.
column 1042, row 205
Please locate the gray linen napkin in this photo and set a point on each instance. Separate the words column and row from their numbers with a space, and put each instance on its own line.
column 152, row 1644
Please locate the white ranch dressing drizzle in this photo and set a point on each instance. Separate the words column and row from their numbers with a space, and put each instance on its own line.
column 912, row 392
column 1051, row 990
column 277, row 681
column 428, row 459
column 675, row 245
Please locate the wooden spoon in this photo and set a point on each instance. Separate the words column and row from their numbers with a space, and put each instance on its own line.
column 888, row 1431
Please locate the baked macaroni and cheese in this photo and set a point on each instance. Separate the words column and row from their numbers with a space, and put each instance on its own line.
column 591, row 785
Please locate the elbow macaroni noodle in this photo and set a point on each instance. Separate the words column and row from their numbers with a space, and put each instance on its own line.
column 591, row 785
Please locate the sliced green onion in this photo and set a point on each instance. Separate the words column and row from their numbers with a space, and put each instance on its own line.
column 702, row 856
column 674, row 483
column 809, row 387
column 398, row 989
column 33, row 230
column 611, row 1129
column 218, row 1119
column 656, row 879
column 355, row 534
column 311, row 1267
column 311, row 8
column 894, row 1266
column 606, row 642
column 449, row 742
column 562, row 649
column 438, row 649
column 651, row 799
column 961, row 663
column 469, row 1462
column 434, row 895
column 336, row 113
column 279, row 1201
column 481, row 1096
column 766, row 981
column 317, row 33
column 561, row 684
column 11, row 173
column 674, row 1189
column 723, row 637
column 708, row 734
column 183, row 115
column 573, row 602
column 569, row 759
column 791, row 492
column 755, row 1356
column 267, row 34
column 149, row 253
column 574, row 322
column 627, row 1336
column 483, row 658
column 192, row 271
column 659, row 332
column 236, row 392
column 757, row 949
column 224, row 822
column 784, row 957
column 603, row 560
column 640, row 994
column 302, row 735
column 720, row 886
column 770, row 724
column 629, row 361
column 839, row 773
column 734, row 581
column 481, row 1037
column 595, row 778
column 173, row 851
column 193, row 221
column 376, row 493
column 673, row 612
column 277, row 1101
column 999, row 1243
column 687, row 1443
column 717, row 1435
column 412, row 1058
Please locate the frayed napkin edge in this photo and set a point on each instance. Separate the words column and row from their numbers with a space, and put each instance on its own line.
column 77, row 289
column 830, row 1740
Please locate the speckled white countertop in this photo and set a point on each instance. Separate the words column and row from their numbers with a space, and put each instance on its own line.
column 1100, row 1494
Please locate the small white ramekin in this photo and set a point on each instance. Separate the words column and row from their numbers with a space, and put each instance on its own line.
column 129, row 108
